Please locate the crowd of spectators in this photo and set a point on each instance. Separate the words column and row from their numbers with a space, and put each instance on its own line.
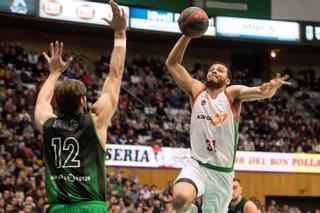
column 126, row 194
column 274, row 207
column 272, row 125
column 275, row 125
column 152, row 111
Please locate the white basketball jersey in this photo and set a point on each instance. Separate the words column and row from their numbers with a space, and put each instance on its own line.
column 214, row 131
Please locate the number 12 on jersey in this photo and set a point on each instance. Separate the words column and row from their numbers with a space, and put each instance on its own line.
column 70, row 147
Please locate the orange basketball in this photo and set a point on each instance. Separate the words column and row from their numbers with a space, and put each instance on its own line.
column 193, row 22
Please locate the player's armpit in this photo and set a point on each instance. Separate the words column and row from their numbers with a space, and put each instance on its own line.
column 104, row 108
column 197, row 86
column 181, row 76
column 43, row 112
column 185, row 82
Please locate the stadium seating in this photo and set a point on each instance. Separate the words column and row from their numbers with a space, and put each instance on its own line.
column 152, row 111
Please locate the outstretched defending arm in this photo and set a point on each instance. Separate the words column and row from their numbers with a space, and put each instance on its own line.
column 180, row 75
column 266, row 90
column 105, row 106
column 43, row 109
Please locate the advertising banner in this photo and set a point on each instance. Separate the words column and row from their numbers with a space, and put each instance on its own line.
column 23, row 7
column 165, row 157
column 257, row 29
column 310, row 32
column 132, row 156
column 77, row 11
column 277, row 162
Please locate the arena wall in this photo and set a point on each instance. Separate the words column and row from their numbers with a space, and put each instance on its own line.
column 258, row 184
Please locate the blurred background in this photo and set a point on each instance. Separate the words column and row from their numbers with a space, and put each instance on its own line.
column 278, row 158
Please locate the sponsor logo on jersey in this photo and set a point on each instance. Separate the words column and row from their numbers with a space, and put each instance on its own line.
column 215, row 120
column 70, row 125
column 219, row 118
column 71, row 178
column 203, row 102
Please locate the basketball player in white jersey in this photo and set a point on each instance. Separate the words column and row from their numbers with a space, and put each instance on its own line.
column 213, row 131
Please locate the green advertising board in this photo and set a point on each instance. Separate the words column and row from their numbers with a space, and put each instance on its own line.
column 236, row 8
column 169, row 5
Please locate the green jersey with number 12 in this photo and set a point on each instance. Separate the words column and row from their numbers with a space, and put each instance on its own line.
column 74, row 160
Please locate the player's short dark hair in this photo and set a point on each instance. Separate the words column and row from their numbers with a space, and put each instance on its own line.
column 225, row 65
column 236, row 180
column 68, row 94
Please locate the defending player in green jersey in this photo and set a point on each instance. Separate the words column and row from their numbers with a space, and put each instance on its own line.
column 75, row 138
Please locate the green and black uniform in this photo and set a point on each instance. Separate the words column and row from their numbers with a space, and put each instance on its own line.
column 74, row 165
column 239, row 208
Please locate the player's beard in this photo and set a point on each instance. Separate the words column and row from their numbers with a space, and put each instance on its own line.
column 215, row 85
column 235, row 198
